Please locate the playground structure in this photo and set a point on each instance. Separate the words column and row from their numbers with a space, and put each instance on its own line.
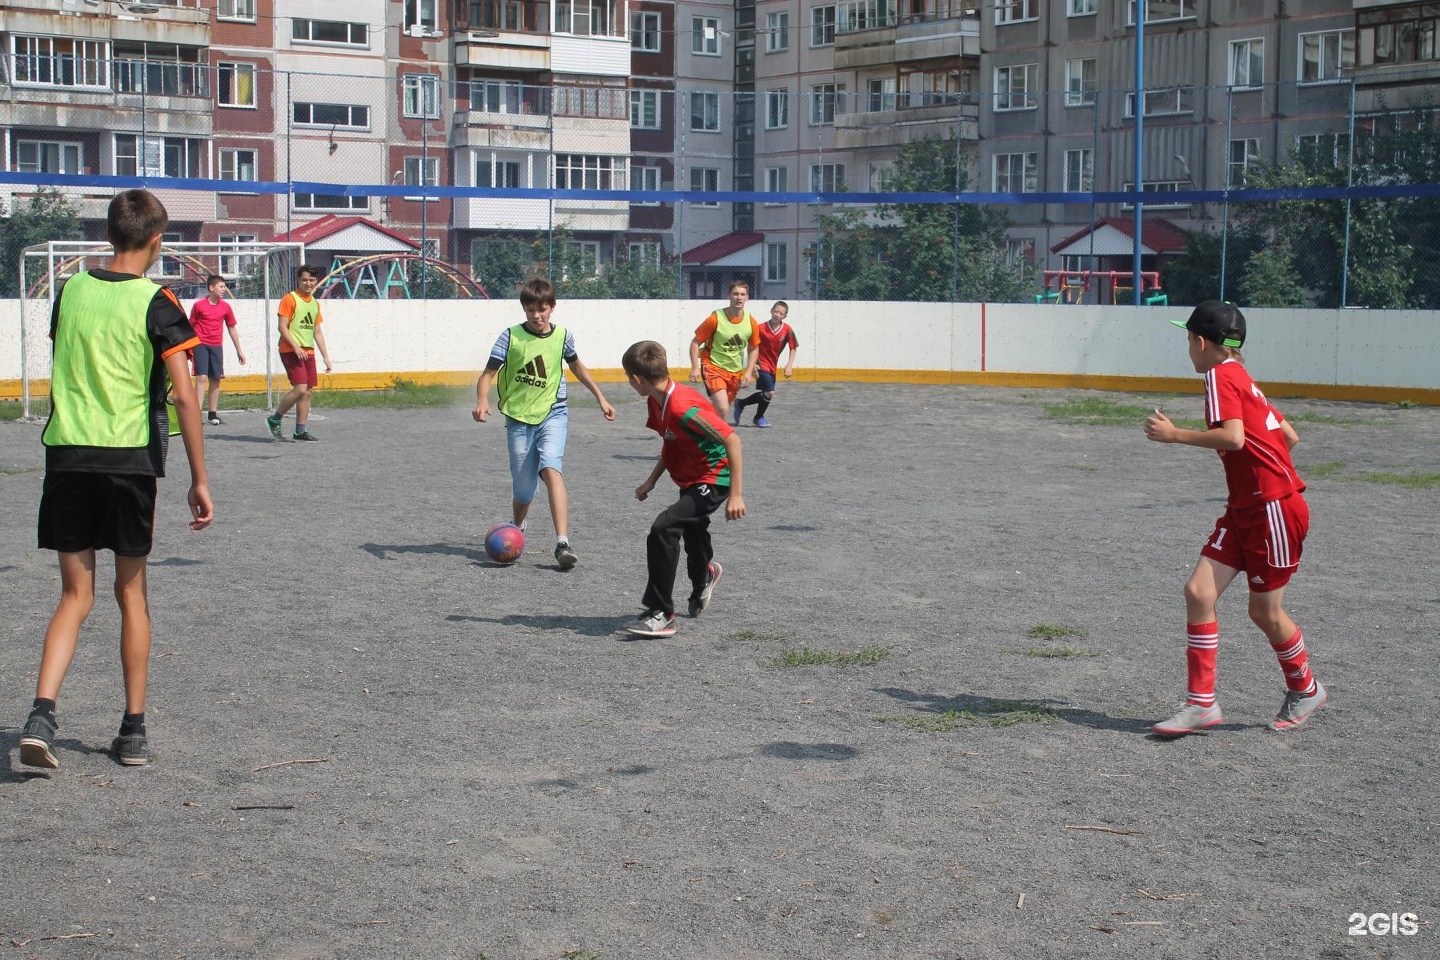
column 351, row 277
column 1071, row 286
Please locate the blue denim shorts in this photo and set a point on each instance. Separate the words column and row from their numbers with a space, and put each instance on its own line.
column 535, row 447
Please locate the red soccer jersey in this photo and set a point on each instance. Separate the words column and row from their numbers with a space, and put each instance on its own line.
column 694, row 435
column 772, row 342
column 1261, row 470
column 210, row 319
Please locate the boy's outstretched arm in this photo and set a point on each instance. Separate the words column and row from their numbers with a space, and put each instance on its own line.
column 482, row 396
column 582, row 373
column 1230, row 435
column 694, row 360
column 735, row 506
column 187, row 410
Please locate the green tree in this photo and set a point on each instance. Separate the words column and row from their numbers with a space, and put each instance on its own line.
column 502, row 264
column 1271, row 280
column 46, row 216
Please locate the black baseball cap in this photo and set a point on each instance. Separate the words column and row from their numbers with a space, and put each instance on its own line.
column 1218, row 322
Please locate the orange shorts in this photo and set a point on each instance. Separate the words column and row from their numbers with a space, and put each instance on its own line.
column 717, row 379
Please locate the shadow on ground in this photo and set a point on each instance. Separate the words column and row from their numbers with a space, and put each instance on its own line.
column 583, row 626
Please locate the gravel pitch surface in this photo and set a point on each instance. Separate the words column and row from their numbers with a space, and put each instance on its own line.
column 372, row 742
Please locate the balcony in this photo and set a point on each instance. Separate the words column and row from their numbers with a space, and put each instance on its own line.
column 906, row 117
column 868, row 39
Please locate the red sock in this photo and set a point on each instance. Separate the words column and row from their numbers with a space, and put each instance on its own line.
column 1203, row 640
column 1295, row 664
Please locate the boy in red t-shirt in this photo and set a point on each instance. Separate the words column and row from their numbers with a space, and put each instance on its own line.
column 702, row 454
column 775, row 336
column 210, row 316
column 1263, row 529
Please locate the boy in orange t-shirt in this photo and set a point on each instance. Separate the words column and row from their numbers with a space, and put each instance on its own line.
column 725, row 350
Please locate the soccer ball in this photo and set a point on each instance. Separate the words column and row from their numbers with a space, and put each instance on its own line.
column 504, row 543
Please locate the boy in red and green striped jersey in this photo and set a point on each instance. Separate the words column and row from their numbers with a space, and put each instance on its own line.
column 702, row 454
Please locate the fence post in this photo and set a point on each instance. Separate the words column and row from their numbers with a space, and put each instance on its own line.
column 1349, row 182
column 1225, row 209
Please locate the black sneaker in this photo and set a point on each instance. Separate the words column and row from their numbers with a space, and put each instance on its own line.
column 214, row 420
column 699, row 602
column 565, row 555
column 131, row 749
column 36, row 740
column 273, row 425
column 307, row 435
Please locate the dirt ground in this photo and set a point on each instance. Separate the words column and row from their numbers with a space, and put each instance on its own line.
column 372, row 742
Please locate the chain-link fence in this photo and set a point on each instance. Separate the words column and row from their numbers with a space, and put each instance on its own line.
column 1309, row 193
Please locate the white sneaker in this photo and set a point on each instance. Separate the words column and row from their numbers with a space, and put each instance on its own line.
column 1298, row 708
column 1191, row 717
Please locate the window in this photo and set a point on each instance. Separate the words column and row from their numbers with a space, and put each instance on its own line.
column 880, row 176
column 1325, row 56
column 235, row 10
column 705, row 180
column 776, row 262
column 238, row 165
column 777, row 180
column 645, row 32
column 508, row 96
column 705, row 36
column 777, row 32
column 355, row 116
column 601, row 103
column 42, row 156
column 422, row 16
column 588, row 171
column 1016, row 173
column 235, row 84
column 644, row 178
column 643, row 253
column 1162, row 102
column 827, row 177
column 1080, row 82
column 1243, row 153
column 234, row 264
column 1015, row 86
column 705, row 112
column 1079, row 170
column 1014, row 11
column 1158, row 186
column 880, row 95
column 777, row 109
column 645, row 109
column 1324, row 149
column 585, row 256
column 1158, row 11
column 320, row 201
column 169, row 266
column 417, row 168
column 1019, row 253
column 422, row 95
column 330, row 31
column 854, row 15
column 1080, row 8
column 491, row 171
column 157, row 156
column 824, row 102
column 822, row 26
column 1247, row 63
column 59, row 62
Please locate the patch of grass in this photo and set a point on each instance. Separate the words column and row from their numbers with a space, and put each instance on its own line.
column 1053, row 652
column 1407, row 404
column 994, row 713
column 14, row 409
column 16, row 471
column 401, row 393
column 1414, row 480
column 1325, row 469
column 1053, row 631
column 580, row 955
column 755, row 636
column 1333, row 420
column 1105, row 412
column 810, row 657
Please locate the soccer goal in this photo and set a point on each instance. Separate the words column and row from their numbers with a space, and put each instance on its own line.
column 258, row 274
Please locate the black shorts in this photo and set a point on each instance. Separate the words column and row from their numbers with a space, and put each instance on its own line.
column 210, row 361
column 98, row 511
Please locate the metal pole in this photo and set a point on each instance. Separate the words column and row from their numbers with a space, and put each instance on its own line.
column 424, row 208
column 24, row 366
column 1349, row 182
column 955, row 240
column 1225, row 210
column 1140, row 12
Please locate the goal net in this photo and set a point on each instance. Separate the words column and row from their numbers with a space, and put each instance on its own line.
column 258, row 275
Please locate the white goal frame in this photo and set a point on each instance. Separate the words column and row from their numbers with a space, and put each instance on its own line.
column 196, row 259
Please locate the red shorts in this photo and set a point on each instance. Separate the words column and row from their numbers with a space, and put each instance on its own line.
column 1264, row 542
column 300, row 370
column 717, row 379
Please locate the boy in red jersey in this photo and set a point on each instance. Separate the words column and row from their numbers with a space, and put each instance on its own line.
column 1263, row 529
column 702, row 454
column 775, row 336
column 211, row 315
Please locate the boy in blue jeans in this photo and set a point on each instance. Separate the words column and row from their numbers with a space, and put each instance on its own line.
column 116, row 337
column 526, row 365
